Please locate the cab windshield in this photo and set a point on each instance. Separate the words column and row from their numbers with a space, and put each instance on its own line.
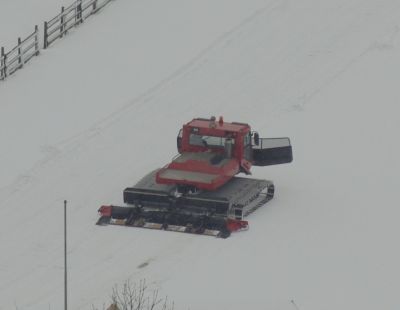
column 207, row 141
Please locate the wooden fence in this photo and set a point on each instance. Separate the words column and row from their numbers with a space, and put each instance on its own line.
column 54, row 29
column 19, row 55
column 69, row 17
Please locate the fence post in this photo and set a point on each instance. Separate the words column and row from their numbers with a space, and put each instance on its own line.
column 2, row 62
column 36, row 40
column 20, row 60
column 78, row 17
column 62, row 22
column 45, row 36
column 94, row 6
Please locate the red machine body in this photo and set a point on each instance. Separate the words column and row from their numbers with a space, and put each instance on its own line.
column 211, row 153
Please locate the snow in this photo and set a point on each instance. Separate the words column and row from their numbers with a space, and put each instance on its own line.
column 83, row 121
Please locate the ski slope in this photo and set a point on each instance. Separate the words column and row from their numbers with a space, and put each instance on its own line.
column 102, row 107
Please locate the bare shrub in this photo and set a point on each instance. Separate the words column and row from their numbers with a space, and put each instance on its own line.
column 137, row 296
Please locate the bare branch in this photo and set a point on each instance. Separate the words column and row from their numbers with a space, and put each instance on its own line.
column 136, row 296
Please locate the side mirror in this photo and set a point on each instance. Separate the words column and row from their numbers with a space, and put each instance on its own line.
column 256, row 138
column 179, row 141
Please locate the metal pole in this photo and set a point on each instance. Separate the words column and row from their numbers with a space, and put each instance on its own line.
column 65, row 255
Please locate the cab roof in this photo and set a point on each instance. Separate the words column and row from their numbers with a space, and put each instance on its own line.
column 219, row 124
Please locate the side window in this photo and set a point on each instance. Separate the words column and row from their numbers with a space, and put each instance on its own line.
column 247, row 140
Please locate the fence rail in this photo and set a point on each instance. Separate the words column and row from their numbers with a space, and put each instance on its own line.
column 19, row 55
column 54, row 29
column 69, row 17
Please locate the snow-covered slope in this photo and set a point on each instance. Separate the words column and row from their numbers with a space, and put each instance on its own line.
column 102, row 107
